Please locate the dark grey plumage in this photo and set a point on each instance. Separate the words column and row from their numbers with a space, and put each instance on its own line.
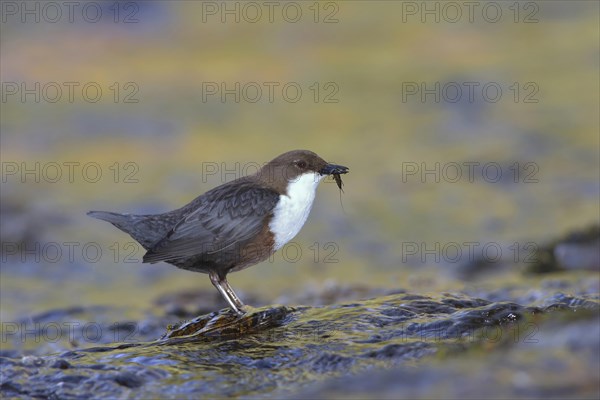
column 145, row 229
column 208, row 233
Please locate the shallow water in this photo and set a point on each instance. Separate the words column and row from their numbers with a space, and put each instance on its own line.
column 281, row 351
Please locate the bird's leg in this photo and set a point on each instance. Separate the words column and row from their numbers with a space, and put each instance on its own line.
column 227, row 292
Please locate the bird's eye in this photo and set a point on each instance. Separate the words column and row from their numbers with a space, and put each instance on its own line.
column 301, row 164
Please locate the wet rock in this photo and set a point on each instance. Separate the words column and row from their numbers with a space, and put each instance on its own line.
column 226, row 324
column 578, row 255
column 61, row 364
column 451, row 340
column 577, row 250
column 402, row 351
column 330, row 362
column 557, row 361
column 129, row 380
column 33, row 361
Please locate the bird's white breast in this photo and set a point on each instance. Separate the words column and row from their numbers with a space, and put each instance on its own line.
column 292, row 210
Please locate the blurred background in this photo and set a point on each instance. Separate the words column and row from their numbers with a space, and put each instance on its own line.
column 459, row 125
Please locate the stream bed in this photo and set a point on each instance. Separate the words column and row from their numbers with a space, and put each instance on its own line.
column 402, row 344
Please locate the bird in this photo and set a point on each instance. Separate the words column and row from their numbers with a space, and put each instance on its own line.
column 235, row 225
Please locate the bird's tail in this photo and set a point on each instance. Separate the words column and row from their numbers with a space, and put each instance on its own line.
column 114, row 218
column 140, row 227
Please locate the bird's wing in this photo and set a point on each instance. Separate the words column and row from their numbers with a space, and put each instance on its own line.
column 224, row 217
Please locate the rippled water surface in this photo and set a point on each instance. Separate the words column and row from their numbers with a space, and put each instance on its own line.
column 284, row 351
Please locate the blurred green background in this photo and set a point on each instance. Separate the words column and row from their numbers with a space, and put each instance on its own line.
column 155, row 129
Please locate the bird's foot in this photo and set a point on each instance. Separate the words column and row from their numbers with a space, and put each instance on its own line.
column 242, row 310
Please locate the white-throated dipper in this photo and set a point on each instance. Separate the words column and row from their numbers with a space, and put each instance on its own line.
column 235, row 225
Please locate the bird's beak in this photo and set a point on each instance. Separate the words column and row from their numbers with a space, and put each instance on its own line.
column 332, row 169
